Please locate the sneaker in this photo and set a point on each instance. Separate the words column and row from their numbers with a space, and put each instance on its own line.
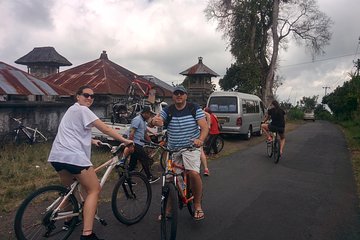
column 92, row 236
column 206, row 172
column 67, row 224
column 153, row 179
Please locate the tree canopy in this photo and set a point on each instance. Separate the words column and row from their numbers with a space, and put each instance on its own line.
column 256, row 29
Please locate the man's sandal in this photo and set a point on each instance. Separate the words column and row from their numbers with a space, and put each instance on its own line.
column 199, row 215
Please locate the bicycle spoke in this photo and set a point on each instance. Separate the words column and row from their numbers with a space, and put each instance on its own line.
column 36, row 219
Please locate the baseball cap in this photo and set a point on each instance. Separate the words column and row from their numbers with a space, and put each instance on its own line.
column 180, row 88
column 147, row 109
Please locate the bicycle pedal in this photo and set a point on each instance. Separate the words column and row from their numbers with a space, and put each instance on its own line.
column 103, row 222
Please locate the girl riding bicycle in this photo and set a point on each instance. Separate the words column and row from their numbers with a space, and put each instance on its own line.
column 277, row 124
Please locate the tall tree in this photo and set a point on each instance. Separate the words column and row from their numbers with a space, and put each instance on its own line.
column 256, row 29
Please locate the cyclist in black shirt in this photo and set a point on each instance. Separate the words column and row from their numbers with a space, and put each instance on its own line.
column 277, row 124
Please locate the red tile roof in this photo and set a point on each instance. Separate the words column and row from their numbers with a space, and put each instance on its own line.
column 17, row 82
column 199, row 69
column 103, row 75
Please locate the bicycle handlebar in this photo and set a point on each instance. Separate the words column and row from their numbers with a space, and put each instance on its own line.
column 190, row 148
column 115, row 149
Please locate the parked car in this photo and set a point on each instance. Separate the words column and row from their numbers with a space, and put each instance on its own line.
column 309, row 115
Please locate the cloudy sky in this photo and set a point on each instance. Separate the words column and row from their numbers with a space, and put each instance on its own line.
column 165, row 37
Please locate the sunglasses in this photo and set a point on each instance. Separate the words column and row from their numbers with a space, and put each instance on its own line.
column 87, row 95
column 176, row 93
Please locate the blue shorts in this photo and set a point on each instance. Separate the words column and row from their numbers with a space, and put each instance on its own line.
column 73, row 169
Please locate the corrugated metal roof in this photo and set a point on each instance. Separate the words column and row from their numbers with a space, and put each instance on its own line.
column 199, row 69
column 43, row 55
column 16, row 81
column 103, row 75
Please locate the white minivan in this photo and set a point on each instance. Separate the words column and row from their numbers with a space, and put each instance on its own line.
column 238, row 113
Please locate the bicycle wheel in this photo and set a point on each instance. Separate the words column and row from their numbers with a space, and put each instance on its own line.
column 15, row 139
column 169, row 212
column 159, row 94
column 190, row 204
column 36, row 219
column 131, row 198
column 276, row 150
column 133, row 93
column 269, row 149
column 219, row 141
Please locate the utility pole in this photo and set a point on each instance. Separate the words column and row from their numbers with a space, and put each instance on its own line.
column 326, row 90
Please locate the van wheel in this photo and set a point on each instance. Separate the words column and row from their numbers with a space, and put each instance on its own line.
column 248, row 134
column 260, row 132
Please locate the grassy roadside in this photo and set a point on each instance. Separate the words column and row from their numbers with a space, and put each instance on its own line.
column 352, row 134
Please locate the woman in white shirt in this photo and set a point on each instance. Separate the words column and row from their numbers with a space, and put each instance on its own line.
column 71, row 150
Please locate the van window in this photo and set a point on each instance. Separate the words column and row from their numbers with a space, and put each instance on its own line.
column 250, row 106
column 223, row 104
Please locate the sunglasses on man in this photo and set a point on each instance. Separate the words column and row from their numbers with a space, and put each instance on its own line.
column 87, row 95
column 176, row 93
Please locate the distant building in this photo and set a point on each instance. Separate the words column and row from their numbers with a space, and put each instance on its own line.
column 43, row 61
column 17, row 85
column 198, row 82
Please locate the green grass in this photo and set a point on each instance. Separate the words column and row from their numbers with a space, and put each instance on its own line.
column 25, row 168
column 352, row 133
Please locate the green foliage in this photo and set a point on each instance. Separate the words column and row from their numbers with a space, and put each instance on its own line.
column 294, row 114
column 244, row 78
column 344, row 101
column 309, row 102
column 25, row 168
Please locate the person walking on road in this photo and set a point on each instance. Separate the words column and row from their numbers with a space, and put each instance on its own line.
column 277, row 124
column 71, row 150
column 186, row 125
column 138, row 132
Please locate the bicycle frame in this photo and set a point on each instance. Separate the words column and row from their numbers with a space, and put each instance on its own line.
column 138, row 84
column 29, row 132
column 110, row 165
column 175, row 171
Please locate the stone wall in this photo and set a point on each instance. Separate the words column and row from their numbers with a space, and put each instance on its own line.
column 43, row 115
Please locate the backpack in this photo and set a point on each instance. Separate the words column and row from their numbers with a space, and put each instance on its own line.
column 172, row 109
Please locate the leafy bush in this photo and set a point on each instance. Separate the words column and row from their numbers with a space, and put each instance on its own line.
column 295, row 114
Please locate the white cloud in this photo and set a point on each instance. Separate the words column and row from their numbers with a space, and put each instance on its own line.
column 165, row 37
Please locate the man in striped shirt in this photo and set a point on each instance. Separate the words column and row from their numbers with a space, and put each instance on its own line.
column 186, row 127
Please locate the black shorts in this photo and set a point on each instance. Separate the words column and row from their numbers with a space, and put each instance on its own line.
column 276, row 129
column 73, row 169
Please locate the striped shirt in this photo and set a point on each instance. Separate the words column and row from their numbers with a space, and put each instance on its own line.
column 183, row 128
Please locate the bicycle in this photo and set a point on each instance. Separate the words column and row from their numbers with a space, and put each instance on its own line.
column 136, row 92
column 219, row 143
column 273, row 147
column 175, row 193
column 156, row 153
column 43, row 213
column 23, row 133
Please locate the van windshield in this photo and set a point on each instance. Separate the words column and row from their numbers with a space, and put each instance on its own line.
column 223, row 104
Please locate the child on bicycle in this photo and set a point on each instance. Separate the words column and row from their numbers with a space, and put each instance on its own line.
column 277, row 124
column 71, row 149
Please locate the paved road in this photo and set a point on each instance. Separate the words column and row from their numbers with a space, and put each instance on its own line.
column 310, row 194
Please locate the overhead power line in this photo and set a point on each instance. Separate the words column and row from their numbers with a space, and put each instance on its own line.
column 320, row 60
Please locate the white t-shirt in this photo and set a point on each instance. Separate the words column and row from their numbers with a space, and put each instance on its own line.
column 72, row 144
